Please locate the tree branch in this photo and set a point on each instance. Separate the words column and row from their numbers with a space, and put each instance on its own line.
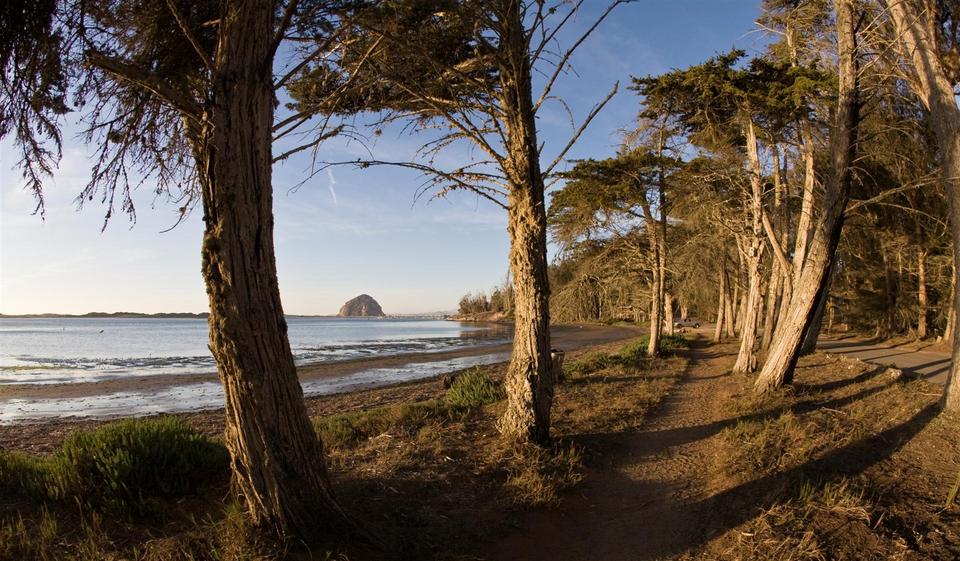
column 144, row 79
column 596, row 109
column 566, row 56
column 189, row 35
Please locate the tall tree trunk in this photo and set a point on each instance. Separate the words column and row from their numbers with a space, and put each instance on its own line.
column 278, row 461
column 730, row 298
column 529, row 380
column 746, row 357
column 656, row 282
column 814, row 276
column 922, row 303
column 718, row 329
column 950, row 327
column 777, row 283
column 936, row 91
column 656, row 301
column 668, row 320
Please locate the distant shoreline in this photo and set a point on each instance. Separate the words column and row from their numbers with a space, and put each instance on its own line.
column 201, row 315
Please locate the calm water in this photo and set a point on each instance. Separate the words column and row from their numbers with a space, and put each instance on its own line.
column 71, row 350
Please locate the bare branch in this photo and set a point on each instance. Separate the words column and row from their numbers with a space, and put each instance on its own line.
column 562, row 63
column 583, row 126
column 146, row 80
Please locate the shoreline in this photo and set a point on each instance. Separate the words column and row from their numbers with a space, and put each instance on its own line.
column 319, row 379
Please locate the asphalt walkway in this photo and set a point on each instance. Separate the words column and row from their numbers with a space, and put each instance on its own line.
column 933, row 366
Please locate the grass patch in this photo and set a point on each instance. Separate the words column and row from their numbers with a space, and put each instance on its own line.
column 537, row 476
column 120, row 467
column 474, row 388
column 471, row 389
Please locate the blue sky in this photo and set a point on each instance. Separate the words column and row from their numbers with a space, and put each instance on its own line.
column 345, row 231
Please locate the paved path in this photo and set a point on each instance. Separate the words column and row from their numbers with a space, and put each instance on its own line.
column 932, row 366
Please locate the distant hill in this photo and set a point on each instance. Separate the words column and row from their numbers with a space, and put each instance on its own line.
column 361, row 306
column 166, row 315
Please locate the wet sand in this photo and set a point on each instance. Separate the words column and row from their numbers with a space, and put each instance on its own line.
column 324, row 378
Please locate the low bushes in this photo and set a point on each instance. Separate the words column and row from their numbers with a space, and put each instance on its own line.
column 120, row 467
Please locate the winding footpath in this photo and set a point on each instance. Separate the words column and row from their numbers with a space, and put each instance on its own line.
column 647, row 501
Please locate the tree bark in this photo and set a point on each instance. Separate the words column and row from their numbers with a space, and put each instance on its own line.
column 919, row 47
column 812, row 334
column 729, row 298
column 950, row 328
column 718, row 329
column 277, row 459
column 746, row 357
column 814, row 276
column 668, row 320
column 656, row 283
column 922, row 304
column 778, row 274
column 529, row 380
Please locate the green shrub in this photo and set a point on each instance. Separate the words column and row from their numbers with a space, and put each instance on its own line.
column 120, row 467
column 473, row 389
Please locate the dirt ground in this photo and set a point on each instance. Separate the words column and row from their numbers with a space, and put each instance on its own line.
column 652, row 459
column 714, row 474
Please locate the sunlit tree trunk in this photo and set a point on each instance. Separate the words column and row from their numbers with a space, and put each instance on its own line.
column 529, row 380
column 729, row 300
column 816, row 270
column 278, row 461
column 937, row 93
column 668, row 319
column 721, row 306
column 656, row 282
column 950, row 327
column 753, row 248
column 922, row 304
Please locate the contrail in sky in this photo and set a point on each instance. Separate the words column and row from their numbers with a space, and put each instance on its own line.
column 333, row 181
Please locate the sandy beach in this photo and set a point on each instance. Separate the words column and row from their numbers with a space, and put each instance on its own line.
column 347, row 377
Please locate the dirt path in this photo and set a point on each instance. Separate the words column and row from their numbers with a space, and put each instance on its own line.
column 647, row 501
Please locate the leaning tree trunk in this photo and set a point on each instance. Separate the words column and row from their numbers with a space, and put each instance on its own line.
column 922, row 303
column 746, row 357
column 937, row 93
column 278, row 461
column 529, row 381
column 813, row 278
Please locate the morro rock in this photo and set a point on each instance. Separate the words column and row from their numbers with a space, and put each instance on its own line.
column 361, row 306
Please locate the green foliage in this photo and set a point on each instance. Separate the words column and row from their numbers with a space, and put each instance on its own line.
column 120, row 467
column 473, row 389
